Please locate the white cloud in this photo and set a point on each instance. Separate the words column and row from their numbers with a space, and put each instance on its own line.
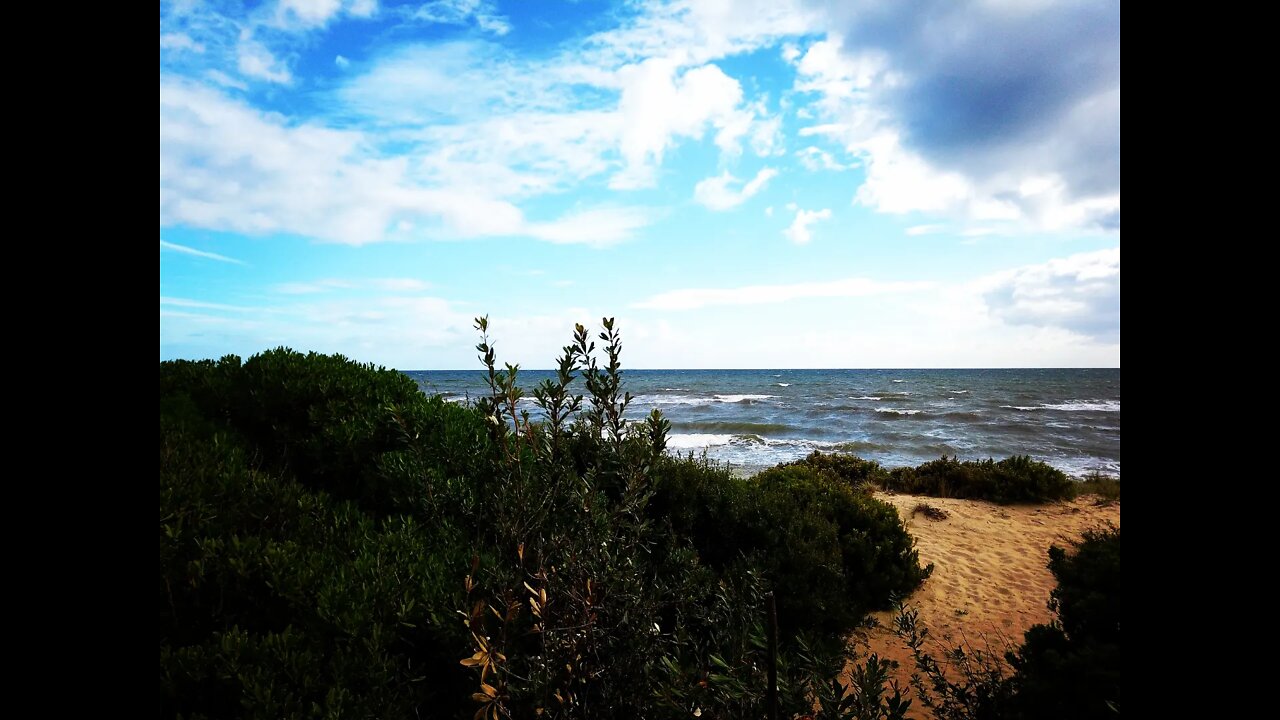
column 798, row 232
column 201, row 305
column 716, row 193
column 341, row 62
column 255, row 60
column 925, row 117
column 660, row 104
column 307, row 13
column 179, row 41
column 915, row 230
column 694, row 298
column 463, row 12
column 198, row 253
column 1079, row 294
column 227, row 166
column 225, row 80
column 598, row 227
column 814, row 158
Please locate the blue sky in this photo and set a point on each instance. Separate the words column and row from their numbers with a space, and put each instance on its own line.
column 742, row 184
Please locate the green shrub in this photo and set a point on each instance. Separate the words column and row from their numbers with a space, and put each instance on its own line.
column 832, row 554
column 1071, row 668
column 1017, row 479
column 277, row 601
column 1105, row 487
column 1065, row 670
column 856, row 472
column 334, row 543
column 355, row 431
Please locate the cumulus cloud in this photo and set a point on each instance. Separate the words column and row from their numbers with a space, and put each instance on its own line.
column 660, row 104
column 798, row 232
column 717, row 194
column 227, row 166
column 1080, row 294
column 953, row 106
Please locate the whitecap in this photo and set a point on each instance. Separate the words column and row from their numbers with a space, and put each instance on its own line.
column 896, row 411
column 741, row 398
column 691, row 441
column 784, row 384
column 1085, row 406
column 866, row 397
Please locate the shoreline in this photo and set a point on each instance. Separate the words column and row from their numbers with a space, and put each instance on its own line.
column 990, row 581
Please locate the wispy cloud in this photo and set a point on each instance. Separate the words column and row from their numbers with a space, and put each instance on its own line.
column 716, row 192
column 464, row 12
column 694, row 298
column 174, row 247
column 925, row 229
column 201, row 305
column 394, row 285
column 798, row 232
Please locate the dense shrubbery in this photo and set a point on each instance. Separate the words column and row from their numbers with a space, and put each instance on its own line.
column 835, row 553
column 1017, row 479
column 1066, row 670
column 333, row 543
column 1071, row 668
column 1104, row 487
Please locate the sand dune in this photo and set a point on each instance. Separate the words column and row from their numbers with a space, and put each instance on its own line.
column 990, row 581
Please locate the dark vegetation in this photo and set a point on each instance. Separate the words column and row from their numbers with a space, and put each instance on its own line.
column 1017, row 479
column 333, row 543
column 1066, row 670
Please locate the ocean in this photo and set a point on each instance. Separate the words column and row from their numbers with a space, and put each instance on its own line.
column 754, row 419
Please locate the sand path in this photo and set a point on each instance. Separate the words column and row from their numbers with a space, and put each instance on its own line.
column 990, row 579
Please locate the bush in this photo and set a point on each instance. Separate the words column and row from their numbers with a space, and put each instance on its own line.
column 277, row 601
column 1017, row 479
column 1105, row 487
column 1071, row 668
column 1065, row 670
column 332, row 542
column 355, row 431
column 832, row 553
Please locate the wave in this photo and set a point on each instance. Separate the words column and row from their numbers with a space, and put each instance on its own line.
column 697, row 399
column 867, row 397
column 735, row 427
column 742, row 398
column 896, row 411
column 898, row 381
column 958, row 392
column 1072, row 406
column 784, row 384
column 692, row 441
column 1085, row 406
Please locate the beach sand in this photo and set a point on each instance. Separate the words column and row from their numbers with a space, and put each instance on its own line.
column 990, row 581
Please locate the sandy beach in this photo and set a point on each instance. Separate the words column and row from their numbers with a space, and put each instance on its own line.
column 990, row 581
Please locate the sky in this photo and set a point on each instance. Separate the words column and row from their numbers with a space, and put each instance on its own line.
column 745, row 184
